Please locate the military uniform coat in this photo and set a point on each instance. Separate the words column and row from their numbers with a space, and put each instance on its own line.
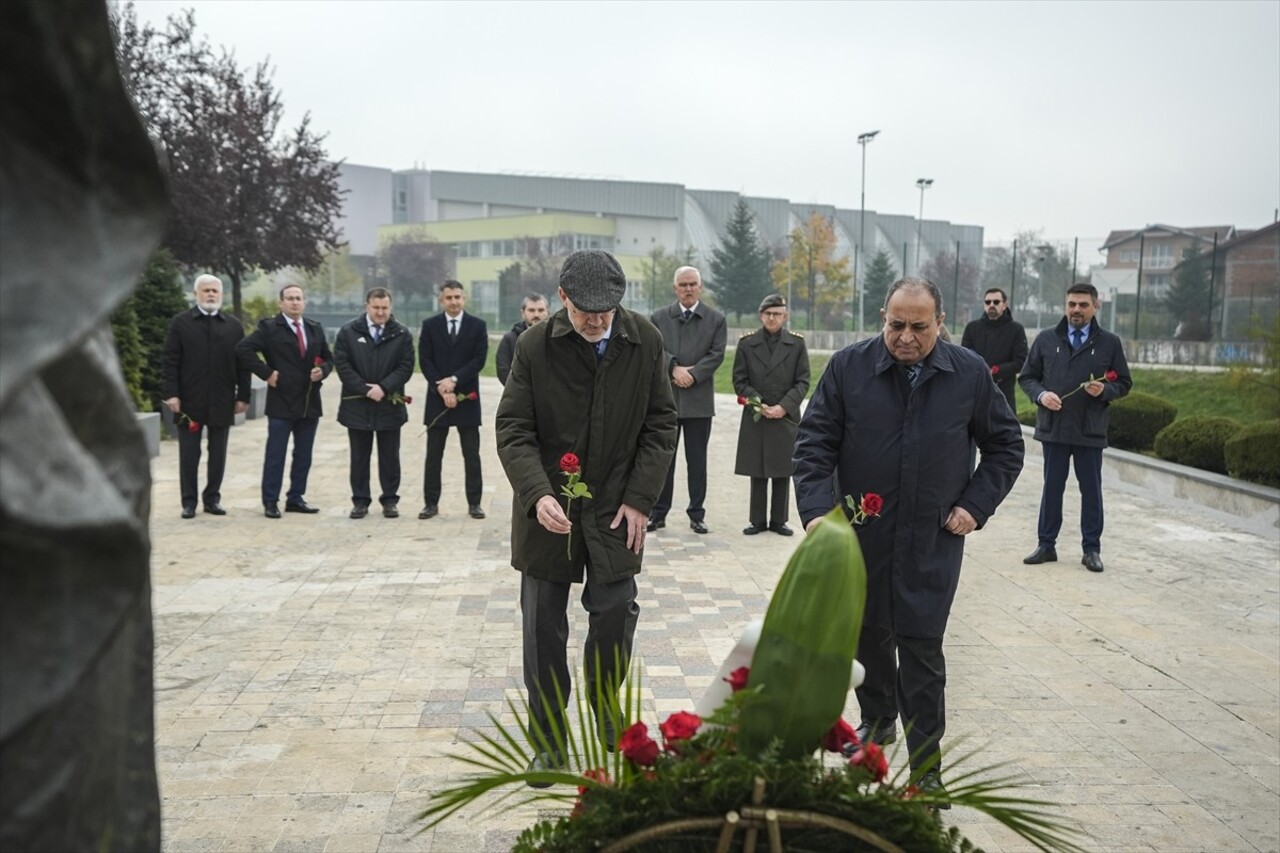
column 201, row 367
column 464, row 358
column 910, row 446
column 361, row 362
column 277, row 343
column 697, row 343
column 617, row 415
column 779, row 378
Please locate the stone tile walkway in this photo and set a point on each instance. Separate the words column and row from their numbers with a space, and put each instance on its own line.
column 315, row 674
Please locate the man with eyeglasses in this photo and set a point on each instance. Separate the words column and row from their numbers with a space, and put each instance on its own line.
column 1000, row 340
column 694, row 335
column 591, row 381
column 770, row 366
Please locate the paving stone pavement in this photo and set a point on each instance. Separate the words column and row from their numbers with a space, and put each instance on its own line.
column 315, row 674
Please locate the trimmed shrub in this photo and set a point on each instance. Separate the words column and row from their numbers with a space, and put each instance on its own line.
column 1197, row 441
column 1134, row 420
column 1253, row 454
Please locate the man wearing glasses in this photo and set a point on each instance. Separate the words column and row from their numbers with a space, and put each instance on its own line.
column 1000, row 340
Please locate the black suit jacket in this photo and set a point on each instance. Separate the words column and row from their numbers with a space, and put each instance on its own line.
column 441, row 358
column 201, row 367
column 274, row 339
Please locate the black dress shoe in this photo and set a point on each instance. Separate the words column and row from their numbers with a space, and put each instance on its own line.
column 877, row 731
column 300, row 506
column 752, row 529
column 931, row 783
column 359, row 511
column 271, row 510
column 214, row 509
column 390, row 511
column 655, row 524
column 782, row 529
column 429, row 511
column 188, row 512
column 543, row 762
column 1092, row 561
column 475, row 511
column 698, row 527
column 1041, row 555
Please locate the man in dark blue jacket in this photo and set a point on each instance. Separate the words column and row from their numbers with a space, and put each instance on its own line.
column 1073, row 373
column 896, row 415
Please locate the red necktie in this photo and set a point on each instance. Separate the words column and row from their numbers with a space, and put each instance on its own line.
column 302, row 342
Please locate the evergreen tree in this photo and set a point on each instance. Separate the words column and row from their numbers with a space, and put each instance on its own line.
column 1188, row 296
column 129, row 351
column 142, row 321
column 740, row 264
column 880, row 273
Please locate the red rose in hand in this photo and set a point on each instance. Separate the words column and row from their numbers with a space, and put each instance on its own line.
column 1112, row 376
column 636, row 745
column 870, row 757
column 839, row 734
column 738, row 678
column 570, row 464
column 742, row 401
column 408, row 399
column 872, row 503
column 679, row 726
column 319, row 361
column 474, row 395
column 995, row 368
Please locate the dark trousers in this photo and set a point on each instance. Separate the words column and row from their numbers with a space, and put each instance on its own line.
column 612, row 613
column 781, row 500
column 303, row 431
column 189, row 464
column 907, row 676
column 1087, row 462
column 697, row 435
column 360, row 442
column 437, row 437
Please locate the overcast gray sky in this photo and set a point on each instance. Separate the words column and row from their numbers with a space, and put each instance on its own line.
column 1074, row 117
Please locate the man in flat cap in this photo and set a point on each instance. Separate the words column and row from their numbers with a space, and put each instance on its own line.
column 591, row 384
column 770, row 373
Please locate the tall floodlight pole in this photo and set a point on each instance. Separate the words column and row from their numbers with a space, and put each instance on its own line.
column 923, row 184
column 863, row 139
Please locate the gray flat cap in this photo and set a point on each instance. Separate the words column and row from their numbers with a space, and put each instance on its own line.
column 593, row 280
column 773, row 300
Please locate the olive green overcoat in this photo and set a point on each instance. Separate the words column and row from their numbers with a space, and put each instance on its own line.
column 778, row 378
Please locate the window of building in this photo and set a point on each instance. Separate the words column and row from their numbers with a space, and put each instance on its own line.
column 1128, row 256
column 1160, row 256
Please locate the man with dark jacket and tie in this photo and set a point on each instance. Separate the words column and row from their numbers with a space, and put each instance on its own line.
column 292, row 355
column 204, row 388
column 452, row 349
column 373, row 355
column 693, row 336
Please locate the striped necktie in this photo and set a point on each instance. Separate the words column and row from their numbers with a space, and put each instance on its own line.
column 913, row 374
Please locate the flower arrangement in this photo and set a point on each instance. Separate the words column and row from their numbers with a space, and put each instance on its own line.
column 458, row 398
column 866, row 507
column 573, row 488
column 756, row 406
column 1109, row 376
column 721, row 781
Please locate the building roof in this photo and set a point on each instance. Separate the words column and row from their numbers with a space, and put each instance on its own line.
column 1204, row 232
column 1243, row 236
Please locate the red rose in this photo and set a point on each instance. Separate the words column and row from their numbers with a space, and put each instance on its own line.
column 569, row 463
column 870, row 757
column 408, row 399
column 599, row 774
column 839, row 734
column 679, row 726
column 995, row 368
column 742, row 401
column 192, row 426
column 872, row 503
column 636, row 745
column 319, row 361
column 474, row 395
column 1112, row 376
column 738, row 678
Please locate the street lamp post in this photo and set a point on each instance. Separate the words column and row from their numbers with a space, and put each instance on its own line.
column 863, row 139
column 923, row 184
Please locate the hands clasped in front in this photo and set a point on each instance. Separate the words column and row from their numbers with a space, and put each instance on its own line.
column 552, row 518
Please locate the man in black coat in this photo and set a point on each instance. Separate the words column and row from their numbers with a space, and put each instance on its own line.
column 895, row 416
column 533, row 310
column 291, row 354
column 205, row 388
column 373, row 355
column 452, row 348
column 1073, row 373
column 1000, row 340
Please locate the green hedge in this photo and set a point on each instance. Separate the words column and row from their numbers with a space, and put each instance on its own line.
column 1197, row 441
column 1254, row 454
column 1136, row 419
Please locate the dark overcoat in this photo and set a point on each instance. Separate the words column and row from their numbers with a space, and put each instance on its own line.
column 698, row 344
column 778, row 378
column 464, row 358
column 617, row 415
column 201, row 367
column 1052, row 366
column 507, row 351
column 361, row 362
column 1002, row 342
column 275, row 341
column 912, row 448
